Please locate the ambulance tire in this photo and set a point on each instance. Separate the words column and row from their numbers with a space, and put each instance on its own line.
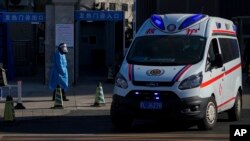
column 235, row 112
column 210, row 117
column 121, row 122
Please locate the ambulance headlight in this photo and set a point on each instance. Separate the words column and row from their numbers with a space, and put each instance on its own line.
column 120, row 81
column 191, row 82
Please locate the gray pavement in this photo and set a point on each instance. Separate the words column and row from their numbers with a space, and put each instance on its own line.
column 37, row 97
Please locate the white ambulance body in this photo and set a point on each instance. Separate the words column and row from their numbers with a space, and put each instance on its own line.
column 180, row 66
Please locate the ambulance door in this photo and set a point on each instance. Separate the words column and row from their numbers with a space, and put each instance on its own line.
column 230, row 53
column 214, row 75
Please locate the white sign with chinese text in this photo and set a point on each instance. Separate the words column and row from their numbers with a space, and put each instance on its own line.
column 65, row 34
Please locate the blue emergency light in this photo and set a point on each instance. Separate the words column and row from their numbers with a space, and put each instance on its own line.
column 158, row 21
column 191, row 20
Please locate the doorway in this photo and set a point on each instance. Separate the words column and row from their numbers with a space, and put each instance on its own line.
column 92, row 48
column 100, row 46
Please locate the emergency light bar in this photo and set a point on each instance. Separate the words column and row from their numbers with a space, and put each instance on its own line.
column 158, row 21
column 191, row 20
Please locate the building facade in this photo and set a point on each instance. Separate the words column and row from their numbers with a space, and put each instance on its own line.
column 94, row 44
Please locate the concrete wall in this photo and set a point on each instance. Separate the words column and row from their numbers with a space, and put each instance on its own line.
column 49, row 39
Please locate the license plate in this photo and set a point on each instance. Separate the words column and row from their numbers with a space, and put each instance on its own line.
column 151, row 105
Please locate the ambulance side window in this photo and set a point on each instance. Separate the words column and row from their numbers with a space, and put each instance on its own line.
column 229, row 49
column 213, row 50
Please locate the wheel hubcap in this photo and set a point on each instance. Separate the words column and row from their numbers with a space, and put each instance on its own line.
column 211, row 113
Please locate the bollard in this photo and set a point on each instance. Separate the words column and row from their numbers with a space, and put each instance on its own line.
column 9, row 112
column 58, row 99
column 19, row 104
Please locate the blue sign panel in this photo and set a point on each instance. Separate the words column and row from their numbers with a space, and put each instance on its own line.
column 99, row 15
column 23, row 17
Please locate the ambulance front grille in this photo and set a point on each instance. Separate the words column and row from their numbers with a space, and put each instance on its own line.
column 151, row 95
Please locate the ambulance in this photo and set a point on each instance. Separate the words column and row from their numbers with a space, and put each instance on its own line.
column 180, row 67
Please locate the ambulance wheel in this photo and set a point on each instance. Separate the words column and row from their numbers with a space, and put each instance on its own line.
column 210, row 117
column 235, row 112
column 120, row 121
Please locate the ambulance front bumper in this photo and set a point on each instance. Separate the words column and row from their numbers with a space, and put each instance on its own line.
column 148, row 104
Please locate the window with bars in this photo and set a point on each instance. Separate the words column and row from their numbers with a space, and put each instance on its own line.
column 103, row 6
column 112, row 6
column 124, row 7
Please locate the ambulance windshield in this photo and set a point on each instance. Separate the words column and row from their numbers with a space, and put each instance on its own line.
column 166, row 50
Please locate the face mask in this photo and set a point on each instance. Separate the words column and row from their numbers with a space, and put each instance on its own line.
column 63, row 50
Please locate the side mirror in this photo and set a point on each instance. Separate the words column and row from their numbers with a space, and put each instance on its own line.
column 218, row 62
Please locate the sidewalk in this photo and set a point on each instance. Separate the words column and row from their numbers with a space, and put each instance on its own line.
column 37, row 98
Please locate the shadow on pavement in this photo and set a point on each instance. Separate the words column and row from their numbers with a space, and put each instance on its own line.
column 80, row 125
column 101, row 124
